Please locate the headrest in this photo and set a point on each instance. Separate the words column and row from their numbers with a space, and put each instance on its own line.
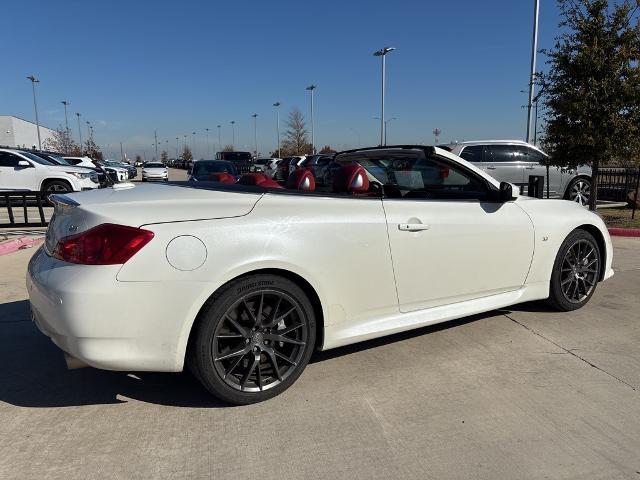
column 222, row 177
column 301, row 179
column 259, row 180
column 351, row 179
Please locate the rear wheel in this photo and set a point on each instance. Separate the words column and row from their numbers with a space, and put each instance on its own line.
column 57, row 186
column 575, row 272
column 579, row 190
column 253, row 340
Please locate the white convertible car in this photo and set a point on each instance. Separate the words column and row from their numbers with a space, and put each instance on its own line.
column 242, row 280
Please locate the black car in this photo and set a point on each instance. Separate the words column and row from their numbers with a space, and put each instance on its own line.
column 243, row 161
column 203, row 169
column 320, row 166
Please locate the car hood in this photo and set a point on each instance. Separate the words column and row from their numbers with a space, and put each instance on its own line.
column 137, row 205
column 69, row 168
column 156, row 169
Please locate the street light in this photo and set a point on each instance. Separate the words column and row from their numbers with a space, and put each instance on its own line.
column 194, row 144
column 79, row 132
column 208, row 150
column 233, row 133
column 532, row 77
column 66, row 122
column 34, row 80
column 255, row 132
column 385, row 126
column 219, row 138
column 277, row 105
column 382, row 53
column 311, row 88
column 177, row 146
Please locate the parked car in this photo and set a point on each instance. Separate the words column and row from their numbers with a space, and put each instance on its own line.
column 242, row 160
column 286, row 166
column 20, row 170
column 114, row 173
column 266, row 165
column 58, row 160
column 241, row 283
column 155, row 171
column 203, row 170
column 132, row 172
column 320, row 165
column 514, row 161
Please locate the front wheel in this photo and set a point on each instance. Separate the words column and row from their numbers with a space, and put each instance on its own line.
column 579, row 190
column 253, row 339
column 576, row 272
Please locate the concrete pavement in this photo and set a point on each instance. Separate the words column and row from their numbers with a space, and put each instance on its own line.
column 524, row 393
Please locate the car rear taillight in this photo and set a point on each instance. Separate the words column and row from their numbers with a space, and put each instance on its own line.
column 106, row 244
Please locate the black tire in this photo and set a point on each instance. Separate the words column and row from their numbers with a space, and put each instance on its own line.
column 144, row 179
column 576, row 272
column 56, row 186
column 252, row 339
column 579, row 190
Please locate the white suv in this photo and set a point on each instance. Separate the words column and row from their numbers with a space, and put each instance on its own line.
column 24, row 171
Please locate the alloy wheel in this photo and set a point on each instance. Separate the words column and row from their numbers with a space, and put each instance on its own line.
column 579, row 271
column 260, row 340
column 57, row 187
column 580, row 192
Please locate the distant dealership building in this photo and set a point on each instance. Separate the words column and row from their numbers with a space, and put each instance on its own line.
column 16, row 132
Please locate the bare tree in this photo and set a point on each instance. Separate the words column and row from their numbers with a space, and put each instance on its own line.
column 296, row 136
column 228, row 148
column 60, row 142
column 186, row 154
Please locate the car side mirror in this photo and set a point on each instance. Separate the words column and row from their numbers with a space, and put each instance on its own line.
column 24, row 163
column 506, row 192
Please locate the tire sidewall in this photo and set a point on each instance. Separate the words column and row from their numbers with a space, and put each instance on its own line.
column 211, row 316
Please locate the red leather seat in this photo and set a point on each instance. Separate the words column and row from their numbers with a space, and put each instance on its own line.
column 222, row 177
column 351, row 179
column 302, row 179
column 259, row 180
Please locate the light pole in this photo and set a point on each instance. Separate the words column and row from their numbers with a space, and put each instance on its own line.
column 532, row 77
column 208, row 149
column 66, row 123
column 386, row 122
column 255, row 132
column 311, row 88
column 233, row 133
column 177, row 146
column 185, row 144
column 121, row 152
column 382, row 53
column 277, row 105
column 79, row 132
column 194, row 145
column 219, row 138
column 34, row 80
column 155, row 138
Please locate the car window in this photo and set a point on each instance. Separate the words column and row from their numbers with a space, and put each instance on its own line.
column 8, row 160
column 410, row 174
column 535, row 156
column 37, row 159
column 472, row 153
column 501, row 153
column 324, row 161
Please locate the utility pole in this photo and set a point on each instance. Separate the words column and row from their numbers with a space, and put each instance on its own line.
column 219, row 138
column 34, row 80
column 233, row 134
column 66, row 123
column 277, row 105
column 155, row 136
column 79, row 133
column 311, row 88
column 121, row 152
column 532, row 78
column 208, row 149
column 177, row 146
column 255, row 133
column 383, row 53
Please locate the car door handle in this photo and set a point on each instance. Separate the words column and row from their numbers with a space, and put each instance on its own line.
column 530, row 168
column 412, row 227
column 491, row 168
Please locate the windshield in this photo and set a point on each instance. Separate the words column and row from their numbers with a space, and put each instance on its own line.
column 37, row 159
column 207, row 167
column 57, row 159
column 154, row 165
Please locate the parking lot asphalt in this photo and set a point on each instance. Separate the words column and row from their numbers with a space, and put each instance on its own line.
column 521, row 393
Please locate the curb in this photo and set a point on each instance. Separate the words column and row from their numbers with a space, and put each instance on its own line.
column 625, row 232
column 21, row 243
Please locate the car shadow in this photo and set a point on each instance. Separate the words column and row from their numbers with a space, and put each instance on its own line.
column 34, row 373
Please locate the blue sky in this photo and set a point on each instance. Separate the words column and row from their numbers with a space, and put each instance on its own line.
column 132, row 67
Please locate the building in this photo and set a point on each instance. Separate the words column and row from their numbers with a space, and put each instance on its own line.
column 16, row 132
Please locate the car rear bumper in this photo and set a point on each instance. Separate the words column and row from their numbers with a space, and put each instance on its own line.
column 108, row 324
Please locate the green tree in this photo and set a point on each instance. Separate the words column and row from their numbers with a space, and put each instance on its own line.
column 296, row 139
column 186, row 154
column 592, row 88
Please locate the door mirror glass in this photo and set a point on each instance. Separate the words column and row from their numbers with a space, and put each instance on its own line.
column 24, row 163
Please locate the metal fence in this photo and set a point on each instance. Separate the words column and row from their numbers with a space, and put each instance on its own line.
column 19, row 205
column 614, row 184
